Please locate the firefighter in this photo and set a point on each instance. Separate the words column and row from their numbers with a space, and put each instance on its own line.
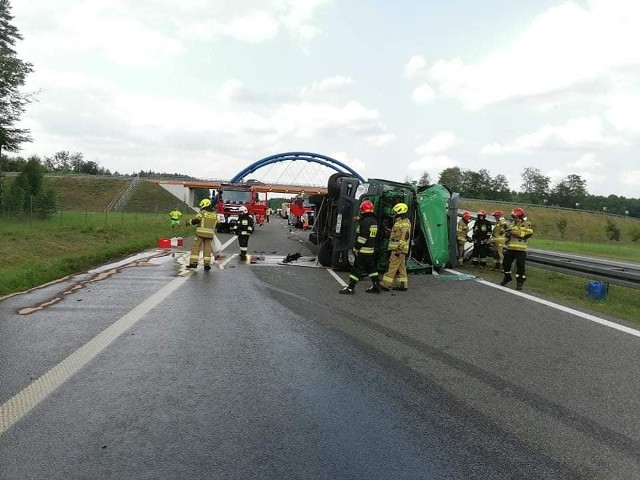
column 205, row 223
column 399, row 248
column 481, row 233
column 517, row 236
column 243, row 228
column 364, row 249
column 498, row 237
column 462, row 235
column 174, row 218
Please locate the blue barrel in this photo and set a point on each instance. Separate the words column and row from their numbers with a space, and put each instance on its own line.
column 597, row 290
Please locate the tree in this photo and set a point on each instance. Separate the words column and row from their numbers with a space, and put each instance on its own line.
column 424, row 180
column 452, row 179
column 535, row 186
column 500, row 188
column 13, row 74
column 570, row 191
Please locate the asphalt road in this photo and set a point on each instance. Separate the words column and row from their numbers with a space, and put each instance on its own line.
column 145, row 370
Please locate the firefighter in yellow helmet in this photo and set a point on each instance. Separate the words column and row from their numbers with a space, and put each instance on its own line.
column 517, row 236
column 399, row 248
column 205, row 222
column 462, row 235
column 498, row 237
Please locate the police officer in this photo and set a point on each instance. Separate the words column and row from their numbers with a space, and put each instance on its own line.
column 517, row 236
column 399, row 248
column 364, row 248
column 480, row 234
column 206, row 223
column 243, row 229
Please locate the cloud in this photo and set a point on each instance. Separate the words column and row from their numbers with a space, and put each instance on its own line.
column 562, row 47
column 331, row 86
column 440, row 143
column 423, row 94
column 415, row 66
column 433, row 164
column 632, row 179
column 577, row 134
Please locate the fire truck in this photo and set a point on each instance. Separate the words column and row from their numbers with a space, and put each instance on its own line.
column 232, row 196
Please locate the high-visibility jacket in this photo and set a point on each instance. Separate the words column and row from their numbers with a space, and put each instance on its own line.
column 244, row 225
column 175, row 215
column 206, row 221
column 400, row 234
column 518, row 234
column 462, row 231
column 366, row 231
column 498, row 235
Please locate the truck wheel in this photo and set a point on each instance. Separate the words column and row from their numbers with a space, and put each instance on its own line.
column 325, row 253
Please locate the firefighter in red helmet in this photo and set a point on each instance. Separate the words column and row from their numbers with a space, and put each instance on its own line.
column 481, row 235
column 498, row 238
column 364, row 249
column 462, row 235
column 517, row 235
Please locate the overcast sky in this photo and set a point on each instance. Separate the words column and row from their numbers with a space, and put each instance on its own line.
column 392, row 88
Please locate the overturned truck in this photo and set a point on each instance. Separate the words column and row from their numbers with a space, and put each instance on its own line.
column 432, row 211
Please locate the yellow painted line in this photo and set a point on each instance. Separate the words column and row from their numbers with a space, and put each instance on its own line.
column 24, row 401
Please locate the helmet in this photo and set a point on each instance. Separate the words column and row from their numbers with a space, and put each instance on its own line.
column 518, row 212
column 482, row 213
column 466, row 216
column 400, row 208
column 498, row 214
column 243, row 209
column 205, row 202
column 366, row 207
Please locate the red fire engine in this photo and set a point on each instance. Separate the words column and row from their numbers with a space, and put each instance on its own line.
column 232, row 196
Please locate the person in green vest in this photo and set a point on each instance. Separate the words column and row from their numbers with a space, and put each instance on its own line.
column 174, row 218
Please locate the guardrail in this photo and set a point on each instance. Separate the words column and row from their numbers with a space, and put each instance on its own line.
column 618, row 273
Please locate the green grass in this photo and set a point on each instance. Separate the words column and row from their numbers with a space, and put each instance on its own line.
column 612, row 250
column 37, row 252
column 621, row 302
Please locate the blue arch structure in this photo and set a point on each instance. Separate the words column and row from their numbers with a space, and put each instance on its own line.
column 292, row 156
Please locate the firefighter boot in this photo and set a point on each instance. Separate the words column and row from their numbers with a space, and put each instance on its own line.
column 507, row 278
column 375, row 288
column 519, row 281
column 349, row 289
column 192, row 265
column 401, row 288
column 207, row 268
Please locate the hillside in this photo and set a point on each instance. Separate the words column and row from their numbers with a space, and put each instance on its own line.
column 581, row 226
column 93, row 194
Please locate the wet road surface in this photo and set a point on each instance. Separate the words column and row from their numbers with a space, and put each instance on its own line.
column 262, row 371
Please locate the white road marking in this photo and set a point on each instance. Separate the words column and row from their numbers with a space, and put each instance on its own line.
column 24, row 401
column 335, row 275
column 586, row 316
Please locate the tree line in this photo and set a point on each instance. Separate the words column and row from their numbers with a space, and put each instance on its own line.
column 535, row 188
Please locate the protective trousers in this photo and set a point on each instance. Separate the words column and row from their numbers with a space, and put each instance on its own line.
column 397, row 265
column 199, row 242
column 243, row 240
column 519, row 256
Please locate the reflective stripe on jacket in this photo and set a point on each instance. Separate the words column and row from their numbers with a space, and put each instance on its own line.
column 245, row 225
column 367, row 231
column 462, row 231
column 518, row 235
column 206, row 221
column 499, row 231
column 400, row 234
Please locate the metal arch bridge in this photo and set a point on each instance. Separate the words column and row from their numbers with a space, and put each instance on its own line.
column 323, row 160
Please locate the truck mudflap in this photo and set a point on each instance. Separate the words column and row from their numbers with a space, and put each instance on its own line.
column 433, row 215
